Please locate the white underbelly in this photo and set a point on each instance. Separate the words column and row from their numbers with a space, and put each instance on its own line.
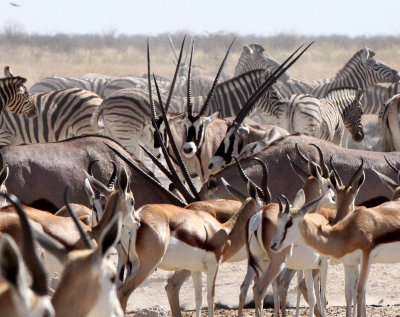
column 302, row 257
column 180, row 255
column 240, row 255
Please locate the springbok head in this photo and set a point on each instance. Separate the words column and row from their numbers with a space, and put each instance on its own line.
column 15, row 96
column 288, row 229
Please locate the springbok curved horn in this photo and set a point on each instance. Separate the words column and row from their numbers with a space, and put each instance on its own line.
column 301, row 155
column 175, row 148
column 85, row 237
column 264, row 183
column 111, row 181
column 189, row 84
column 97, row 193
column 287, row 207
column 357, row 173
column 246, row 178
column 266, row 85
column 392, row 166
column 29, row 253
column 324, row 167
column 280, row 204
column 335, row 171
column 173, row 47
column 204, row 108
column 174, row 200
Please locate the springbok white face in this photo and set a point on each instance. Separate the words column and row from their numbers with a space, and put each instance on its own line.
column 231, row 145
column 288, row 230
column 195, row 131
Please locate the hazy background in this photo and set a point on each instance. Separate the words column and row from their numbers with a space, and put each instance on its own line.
column 70, row 38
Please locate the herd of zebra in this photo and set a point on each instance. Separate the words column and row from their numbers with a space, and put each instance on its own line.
column 62, row 131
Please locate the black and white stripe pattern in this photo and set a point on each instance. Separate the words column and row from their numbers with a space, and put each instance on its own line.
column 14, row 96
column 62, row 114
column 324, row 118
column 255, row 57
column 390, row 124
column 376, row 96
column 361, row 71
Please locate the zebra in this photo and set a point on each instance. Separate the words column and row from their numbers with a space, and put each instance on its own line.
column 324, row 118
column 255, row 57
column 62, row 114
column 14, row 95
column 376, row 95
column 389, row 122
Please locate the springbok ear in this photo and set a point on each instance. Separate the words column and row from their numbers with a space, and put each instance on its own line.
column 300, row 199
column 110, row 236
column 311, row 205
column 315, row 170
column 387, row 180
column 253, row 192
column 247, row 49
column 360, row 181
column 124, row 181
column 243, row 129
column 10, row 260
column 334, row 181
column 4, row 175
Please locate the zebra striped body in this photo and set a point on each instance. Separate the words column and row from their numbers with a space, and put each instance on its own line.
column 52, row 83
column 124, row 115
column 62, row 114
column 14, row 96
column 255, row 57
column 323, row 118
column 376, row 96
column 390, row 124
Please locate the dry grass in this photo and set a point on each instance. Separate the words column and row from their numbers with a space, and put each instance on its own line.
column 37, row 57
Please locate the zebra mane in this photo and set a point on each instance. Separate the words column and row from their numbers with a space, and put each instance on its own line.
column 256, row 71
column 352, row 60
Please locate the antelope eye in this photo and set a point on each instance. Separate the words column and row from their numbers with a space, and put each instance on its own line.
column 112, row 279
column 289, row 224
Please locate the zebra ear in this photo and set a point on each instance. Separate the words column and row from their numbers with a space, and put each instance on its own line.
column 366, row 54
column 7, row 72
column 19, row 81
column 258, row 48
column 359, row 94
column 247, row 49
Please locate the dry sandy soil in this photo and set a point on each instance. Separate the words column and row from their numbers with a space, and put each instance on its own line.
column 383, row 293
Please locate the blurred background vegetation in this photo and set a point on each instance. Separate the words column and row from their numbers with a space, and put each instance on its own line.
column 36, row 56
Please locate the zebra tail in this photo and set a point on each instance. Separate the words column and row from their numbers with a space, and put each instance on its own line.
column 97, row 119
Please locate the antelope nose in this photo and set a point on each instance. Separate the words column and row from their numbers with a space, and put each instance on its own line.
column 187, row 150
column 273, row 246
column 210, row 166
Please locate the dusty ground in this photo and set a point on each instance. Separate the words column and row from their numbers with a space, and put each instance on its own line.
column 383, row 292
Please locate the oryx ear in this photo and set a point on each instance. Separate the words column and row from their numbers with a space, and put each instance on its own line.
column 110, row 236
column 300, row 199
column 10, row 260
column 211, row 118
column 176, row 118
column 243, row 129
column 247, row 49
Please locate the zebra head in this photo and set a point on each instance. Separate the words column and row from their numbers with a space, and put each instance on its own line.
column 352, row 116
column 375, row 70
column 15, row 96
column 254, row 57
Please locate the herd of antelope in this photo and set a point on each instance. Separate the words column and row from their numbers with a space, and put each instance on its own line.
column 275, row 184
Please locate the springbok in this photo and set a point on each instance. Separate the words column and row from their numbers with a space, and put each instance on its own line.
column 366, row 236
column 170, row 231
